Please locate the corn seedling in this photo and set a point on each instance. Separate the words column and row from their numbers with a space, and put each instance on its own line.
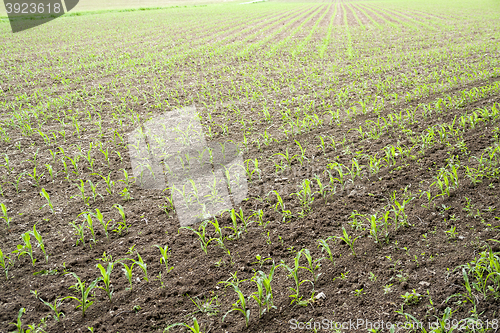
column 125, row 194
column 5, row 217
column 128, row 273
column 411, row 298
column 279, row 167
column 65, row 167
column 323, row 189
column 218, row 230
column 298, row 300
column 74, row 163
column 168, row 206
column 5, row 263
column 302, row 155
column 241, row 217
column 93, row 189
column 108, row 181
column 280, row 203
column 224, row 247
column 105, row 153
column 348, row 240
column 358, row 292
column 240, row 305
column 39, row 240
column 100, row 218
column 90, row 225
column 375, row 230
column 85, row 300
column 201, row 233
column 18, row 323
column 485, row 272
column 446, row 180
column 236, row 230
column 89, row 158
column 313, row 266
column 164, row 256
column 374, row 164
column 53, row 154
column 26, row 248
column 106, row 278
column 260, row 216
column 53, row 306
column 17, row 181
column 322, row 144
column 81, row 188
column 286, row 156
column 474, row 174
column 79, row 232
column 340, row 178
column 185, row 196
column 325, row 247
column 7, row 163
column 255, row 169
column 429, row 199
column 398, row 208
column 390, row 155
column 267, row 237
column 469, row 296
column 355, row 169
column 195, row 195
column 36, row 176
column 387, row 289
column 45, row 195
column 259, row 295
column 293, row 273
column 260, row 260
column 126, row 179
column 122, row 225
column 264, row 294
column 206, row 306
column 194, row 329
column 447, row 325
column 139, row 262
column 305, row 195
column 51, row 171
column 356, row 223
column 452, row 233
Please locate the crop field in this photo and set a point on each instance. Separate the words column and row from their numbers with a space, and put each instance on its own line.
column 274, row 166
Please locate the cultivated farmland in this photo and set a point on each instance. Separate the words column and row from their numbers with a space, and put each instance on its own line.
column 369, row 138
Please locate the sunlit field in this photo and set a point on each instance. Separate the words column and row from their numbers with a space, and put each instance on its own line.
column 117, row 5
column 363, row 187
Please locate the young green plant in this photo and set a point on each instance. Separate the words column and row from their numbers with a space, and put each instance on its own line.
column 240, row 305
column 39, row 240
column 100, row 218
column 85, row 300
column 164, row 256
column 6, row 218
column 122, row 225
column 106, row 278
column 45, row 195
column 26, row 248
column 53, row 306
column 348, row 240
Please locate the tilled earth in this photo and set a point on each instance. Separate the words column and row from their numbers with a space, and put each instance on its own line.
column 197, row 274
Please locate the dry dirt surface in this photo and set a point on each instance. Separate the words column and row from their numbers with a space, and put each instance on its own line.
column 368, row 160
